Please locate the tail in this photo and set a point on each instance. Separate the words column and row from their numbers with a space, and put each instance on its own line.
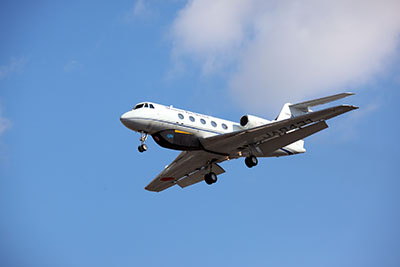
column 293, row 110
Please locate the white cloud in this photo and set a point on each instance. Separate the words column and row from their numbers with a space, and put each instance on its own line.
column 4, row 123
column 288, row 50
column 139, row 10
column 71, row 66
column 15, row 65
column 139, row 7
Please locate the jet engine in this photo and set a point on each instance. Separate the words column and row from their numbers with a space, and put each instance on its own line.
column 250, row 121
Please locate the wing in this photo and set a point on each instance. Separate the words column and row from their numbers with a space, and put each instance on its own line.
column 187, row 169
column 274, row 135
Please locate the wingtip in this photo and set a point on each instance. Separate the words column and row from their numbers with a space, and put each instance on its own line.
column 349, row 93
column 350, row 106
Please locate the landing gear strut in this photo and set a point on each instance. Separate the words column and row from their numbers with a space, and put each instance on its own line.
column 143, row 146
column 251, row 161
column 210, row 178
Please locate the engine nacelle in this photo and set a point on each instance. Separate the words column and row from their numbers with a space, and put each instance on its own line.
column 250, row 121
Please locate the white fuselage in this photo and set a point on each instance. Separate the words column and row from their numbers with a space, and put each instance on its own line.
column 154, row 118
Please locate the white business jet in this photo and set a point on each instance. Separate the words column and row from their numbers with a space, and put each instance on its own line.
column 207, row 141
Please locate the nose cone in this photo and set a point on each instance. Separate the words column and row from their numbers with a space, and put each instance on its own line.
column 125, row 118
column 132, row 121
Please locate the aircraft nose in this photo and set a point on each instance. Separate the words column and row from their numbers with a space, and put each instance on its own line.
column 124, row 116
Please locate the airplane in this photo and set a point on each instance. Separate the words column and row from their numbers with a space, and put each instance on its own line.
column 206, row 141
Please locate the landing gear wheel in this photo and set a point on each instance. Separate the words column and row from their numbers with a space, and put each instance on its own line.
column 251, row 161
column 142, row 148
column 210, row 178
column 213, row 177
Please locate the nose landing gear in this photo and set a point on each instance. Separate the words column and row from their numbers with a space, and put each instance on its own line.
column 143, row 146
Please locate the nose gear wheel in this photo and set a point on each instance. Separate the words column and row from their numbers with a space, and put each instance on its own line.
column 143, row 146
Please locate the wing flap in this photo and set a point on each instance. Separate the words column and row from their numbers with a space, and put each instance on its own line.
column 287, row 139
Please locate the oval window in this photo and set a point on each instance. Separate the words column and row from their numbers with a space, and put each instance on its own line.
column 213, row 123
column 191, row 118
column 224, row 126
column 202, row 121
column 180, row 116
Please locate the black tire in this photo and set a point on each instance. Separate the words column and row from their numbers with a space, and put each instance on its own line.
column 248, row 163
column 251, row 161
column 207, row 179
column 142, row 148
column 213, row 177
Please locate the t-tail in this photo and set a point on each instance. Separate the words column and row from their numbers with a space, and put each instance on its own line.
column 293, row 110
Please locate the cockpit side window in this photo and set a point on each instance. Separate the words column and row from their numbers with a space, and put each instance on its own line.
column 146, row 105
column 151, row 106
column 138, row 106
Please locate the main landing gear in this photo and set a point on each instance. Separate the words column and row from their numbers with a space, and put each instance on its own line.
column 143, row 146
column 251, row 161
column 210, row 178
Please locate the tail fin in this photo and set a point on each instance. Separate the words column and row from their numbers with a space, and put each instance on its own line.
column 293, row 110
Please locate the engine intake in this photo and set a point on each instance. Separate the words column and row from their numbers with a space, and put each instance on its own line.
column 249, row 121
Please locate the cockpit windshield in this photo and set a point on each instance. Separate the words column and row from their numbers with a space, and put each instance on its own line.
column 138, row 106
column 145, row 105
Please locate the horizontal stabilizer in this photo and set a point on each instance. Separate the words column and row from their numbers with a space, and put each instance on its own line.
column 304, row 106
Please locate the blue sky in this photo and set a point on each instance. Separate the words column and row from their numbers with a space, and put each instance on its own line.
column 71, row 179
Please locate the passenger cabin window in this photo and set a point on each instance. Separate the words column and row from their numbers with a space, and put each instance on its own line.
column 213, row 124
column 151, row 106
column 180, row 116
column 191, row 118
column 224, row 126
column 138, row 106
column 202, row 121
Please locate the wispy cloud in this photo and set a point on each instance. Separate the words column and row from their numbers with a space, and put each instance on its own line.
column 288, row 50
column 14, row 66
column 4, row 122
column 139, row 10
column 72, row 65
